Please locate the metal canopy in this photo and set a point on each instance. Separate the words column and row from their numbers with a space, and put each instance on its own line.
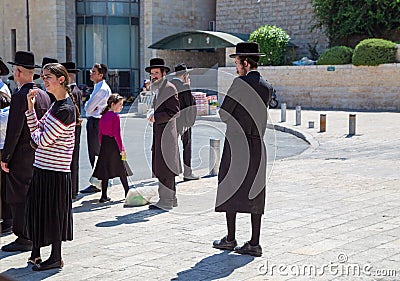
column 197, row 40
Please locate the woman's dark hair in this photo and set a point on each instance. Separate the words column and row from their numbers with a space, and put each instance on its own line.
column 114, row 98
column 59, row 70
column 5, row 100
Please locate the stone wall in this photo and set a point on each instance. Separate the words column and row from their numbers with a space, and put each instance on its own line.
column 295, row 17
column 348, row 87
column 48, row 27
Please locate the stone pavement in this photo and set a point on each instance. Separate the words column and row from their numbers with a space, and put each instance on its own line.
column 332, row 213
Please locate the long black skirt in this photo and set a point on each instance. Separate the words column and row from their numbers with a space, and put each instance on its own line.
column 49, row 207
column 109, row 164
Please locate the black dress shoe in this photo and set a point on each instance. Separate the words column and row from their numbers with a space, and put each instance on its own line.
column 90, row 189
column 190, row 178
column 104, row 200
column 16, row 247
column 224, row 244
column 161, row 206
column 247, row 249
column 46, row 266
column 34, row 261
column 6, row 229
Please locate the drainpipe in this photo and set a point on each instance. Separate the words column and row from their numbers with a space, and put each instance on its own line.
column 27, row 26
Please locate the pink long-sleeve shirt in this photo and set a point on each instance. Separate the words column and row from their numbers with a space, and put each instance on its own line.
column 109, row 125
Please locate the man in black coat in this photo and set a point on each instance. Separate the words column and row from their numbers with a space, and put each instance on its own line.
column 187, row 117
column 242, row 174
column 18, row 155
column 165, row 153
column 77, row 94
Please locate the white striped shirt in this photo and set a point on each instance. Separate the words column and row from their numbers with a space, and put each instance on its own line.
column 54, row 135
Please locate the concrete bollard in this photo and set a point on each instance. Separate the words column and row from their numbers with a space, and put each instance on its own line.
column 298, row 115
column 215, row 157
column 322, row 123
column 352, row 124
column 283, row 112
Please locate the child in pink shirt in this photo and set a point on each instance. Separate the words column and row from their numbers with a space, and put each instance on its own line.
column 112, row 157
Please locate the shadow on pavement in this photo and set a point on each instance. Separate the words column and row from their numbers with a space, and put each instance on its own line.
column 215, row 267
column 26, row 273
column 94, row 205
column 141, row 216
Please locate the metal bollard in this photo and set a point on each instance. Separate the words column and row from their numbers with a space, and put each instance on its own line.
column 215, row 157
column 298, row 115
column 352, row 124
column 283, row 112
column 322, row 123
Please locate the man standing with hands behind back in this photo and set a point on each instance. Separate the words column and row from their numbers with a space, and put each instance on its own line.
column 18, row 155
column 242, row 173
column 93, row 107
column 187, row 117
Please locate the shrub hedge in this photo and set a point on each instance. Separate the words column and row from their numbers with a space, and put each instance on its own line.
column 336, row 55
column 374, row 52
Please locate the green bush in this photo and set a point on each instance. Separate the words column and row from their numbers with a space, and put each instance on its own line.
column 273, row 42
column 374, row 51
column 336, row 55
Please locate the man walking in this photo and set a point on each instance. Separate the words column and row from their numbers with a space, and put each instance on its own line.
column 187, row 117
column 242, row 174
column 165, row 153
column 93, row 107
column 18, row 154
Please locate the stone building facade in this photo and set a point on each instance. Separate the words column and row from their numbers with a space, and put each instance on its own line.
column 295, row 17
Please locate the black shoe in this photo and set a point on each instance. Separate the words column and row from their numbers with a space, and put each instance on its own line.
column 103, row 200
column 190, row 178
column 90, row 189
column 161, row 206
column 16, row 247
column 175, row 202
column 46, row 266
column 224, row 244
column 6, row 229
column 247, row 249
column 34, row 261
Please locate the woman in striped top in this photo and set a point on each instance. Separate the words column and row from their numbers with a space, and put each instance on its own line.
column 49, row 206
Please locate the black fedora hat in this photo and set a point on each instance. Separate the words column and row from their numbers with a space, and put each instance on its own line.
column 157, row 63
column 24, row 59
column 181, row 69
column 47, row 60
column 35, row 76
column 3, row 68
column 70, row 66
column 247, row 49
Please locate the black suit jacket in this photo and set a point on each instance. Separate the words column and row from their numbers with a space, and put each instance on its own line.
column 17, row 151
column 187, row 105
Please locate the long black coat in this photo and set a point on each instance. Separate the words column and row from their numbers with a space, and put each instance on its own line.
column 77, row 93
column 242, row 174
column 17, row 151
column 165, row 153
column 187, row 105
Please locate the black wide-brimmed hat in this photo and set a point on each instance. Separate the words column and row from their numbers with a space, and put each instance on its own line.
column 35, row 76
column 157, row 63
column 181, row 69
column 70, row 66
column 47, row 60
column 3, row 68
column 24, row 59
column 247, row 49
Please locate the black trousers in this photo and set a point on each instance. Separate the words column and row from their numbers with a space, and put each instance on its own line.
column 18, row 221
column 93, row 143
column 186, row 139
column 75, row 161
column 5, row 207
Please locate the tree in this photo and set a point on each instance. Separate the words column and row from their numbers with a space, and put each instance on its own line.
column 341, row 18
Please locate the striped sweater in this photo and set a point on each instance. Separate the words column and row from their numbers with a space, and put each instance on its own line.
column 54, row 136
